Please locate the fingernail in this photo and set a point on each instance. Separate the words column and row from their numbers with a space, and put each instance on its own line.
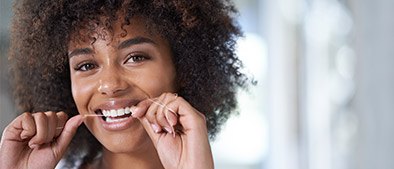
column 155, row 128
column 24, row 137
column 173, row 131
column 33, row 146
column 168, row 130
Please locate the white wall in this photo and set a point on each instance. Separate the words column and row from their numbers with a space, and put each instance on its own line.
column 374, row 101
column 6, row 108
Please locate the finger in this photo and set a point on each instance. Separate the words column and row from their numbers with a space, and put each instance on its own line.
column 41, row 121
column 13, row 140
column 21, row 128
column 162, row 116
column 59, row 146
column 151, row 114
column 145, row 109
column 162, row 121
column 160, row 111
column 171, row 115
column 51, row 125
column 61, row 121
column 141, row 108
column 181, row 112
column 27, row 124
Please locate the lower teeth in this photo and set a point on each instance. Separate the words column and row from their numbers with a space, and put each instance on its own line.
column 109, row 119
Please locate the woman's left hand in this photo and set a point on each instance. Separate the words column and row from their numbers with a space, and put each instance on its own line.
column 178, row 131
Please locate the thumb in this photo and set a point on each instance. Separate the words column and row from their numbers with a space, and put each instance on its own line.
column 69, row 130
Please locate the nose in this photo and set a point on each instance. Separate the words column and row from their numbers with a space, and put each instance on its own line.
column 111, row 82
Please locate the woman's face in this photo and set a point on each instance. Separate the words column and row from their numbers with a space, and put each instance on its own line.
column 114, row 73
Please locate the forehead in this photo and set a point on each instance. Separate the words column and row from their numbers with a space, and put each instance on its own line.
column 113, row 32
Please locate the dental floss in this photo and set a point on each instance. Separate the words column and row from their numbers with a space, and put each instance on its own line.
column 170, row 110
column 148, row 97
column 164, row 106
column 84, row 116
column 160, row 104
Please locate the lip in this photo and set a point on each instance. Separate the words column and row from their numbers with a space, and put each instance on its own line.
column 116, row 104
column 117, row 126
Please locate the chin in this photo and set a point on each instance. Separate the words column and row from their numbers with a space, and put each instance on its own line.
column 126, row 142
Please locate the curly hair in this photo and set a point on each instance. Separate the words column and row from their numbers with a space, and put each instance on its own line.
column 202, row 35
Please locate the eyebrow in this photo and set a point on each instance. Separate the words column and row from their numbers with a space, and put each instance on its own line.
column 134, row 41
column 125, row 44
column 80, row 51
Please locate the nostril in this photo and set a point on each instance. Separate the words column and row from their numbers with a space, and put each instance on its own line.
column 112, row 86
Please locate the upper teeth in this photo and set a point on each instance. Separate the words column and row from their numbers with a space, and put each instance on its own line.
column 116, row 113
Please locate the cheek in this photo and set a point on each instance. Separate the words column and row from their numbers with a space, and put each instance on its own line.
column 157, row 81
column 80, row 92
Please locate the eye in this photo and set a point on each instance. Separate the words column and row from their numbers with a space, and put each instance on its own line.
column 136, row 58
column 85, row 67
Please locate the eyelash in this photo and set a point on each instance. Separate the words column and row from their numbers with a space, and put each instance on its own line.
column 83, row 66
column 132, row 57
column 86, row 66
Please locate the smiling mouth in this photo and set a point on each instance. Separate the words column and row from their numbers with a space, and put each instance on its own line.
column 115, row 115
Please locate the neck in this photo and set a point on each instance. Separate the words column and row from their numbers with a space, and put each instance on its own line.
column 144, row 158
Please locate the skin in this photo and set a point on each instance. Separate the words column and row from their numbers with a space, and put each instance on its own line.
column 165, row 131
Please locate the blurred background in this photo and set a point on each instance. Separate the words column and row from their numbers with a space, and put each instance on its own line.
column 324, row 98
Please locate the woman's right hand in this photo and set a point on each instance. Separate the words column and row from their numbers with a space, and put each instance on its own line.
column 37, row 141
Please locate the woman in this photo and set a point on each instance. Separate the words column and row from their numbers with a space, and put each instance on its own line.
column 116, row 69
